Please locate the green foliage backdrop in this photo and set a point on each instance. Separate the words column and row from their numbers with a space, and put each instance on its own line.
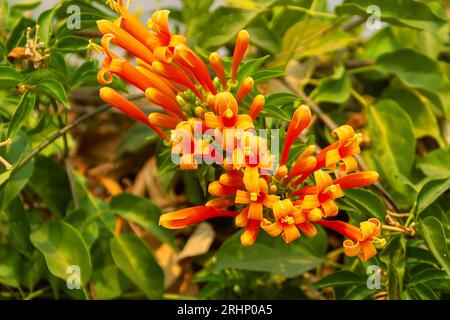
column 392, row 84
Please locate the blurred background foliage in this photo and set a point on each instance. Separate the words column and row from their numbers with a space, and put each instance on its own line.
column 88, row 185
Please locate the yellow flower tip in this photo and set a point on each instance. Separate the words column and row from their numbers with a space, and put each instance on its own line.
column 282, row 172
column 253, row 196
column 95, row 47
column 314, row 215
column 273, row 189
column 245, row 88
column 200, row 112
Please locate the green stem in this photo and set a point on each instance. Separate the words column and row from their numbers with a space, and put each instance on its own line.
column 311, row 12
column 36, row 293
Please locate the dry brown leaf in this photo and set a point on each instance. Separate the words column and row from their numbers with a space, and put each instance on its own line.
column 168, row 260
column 199, row 242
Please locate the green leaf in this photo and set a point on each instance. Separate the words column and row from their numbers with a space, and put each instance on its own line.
column 109, row 282
column 413, row 14
column 429, row 193
column 273, row 255
column 45, row 21
column 434, row 235
column 62, row 246
column 394, row 257
column 22, row 114
column 14, row 226
column 143, row 212
column 424, row 292
column 358, row 293
column 427, row 275
column 9, row 77
column 263, row 37
column 435, row 164
column 55, row 89
column 364, row 202
column 381, row 42
column 33, row 270
column 10, row 266
column 335, row 89
column 413, row 68
column 87, row 227
column 17, row 33
column 15, row 183
column 136, row 261
column 225, row 22
column 392, row 150
column 50, row 183
column 339, row 279
column 69, row 44
column 303, row 40
column 423, row 119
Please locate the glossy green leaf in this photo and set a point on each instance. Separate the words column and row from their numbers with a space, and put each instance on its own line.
column 272, row 255
column 45, row 21
column 436, row 163
column 225, row 22
column 339, row 278
column 55, row 89
column 335, row 89
column 62, row 246
column 312, row 37
column 136, row 261
column 392, row 150
column 22, row 114
column 50, row 183
column 414, row 14
column 143, row 212
column 9, row 77
column 364, row 202
column 413, row 68
column 422, row 117
column 10, row 266
column 434, row 235
column 429, row 192
column 71, row 44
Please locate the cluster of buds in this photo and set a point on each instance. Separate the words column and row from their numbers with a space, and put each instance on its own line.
column 34, row 51
column 206, row 119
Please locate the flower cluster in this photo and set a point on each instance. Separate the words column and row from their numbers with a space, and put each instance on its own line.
column 281, row 197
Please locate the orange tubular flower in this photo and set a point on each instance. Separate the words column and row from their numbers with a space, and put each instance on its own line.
column 245, row 88
column 220, row 203
column 186, row 217
column 132, row 24
column 242, row 42
column 256, row 106
column 325, row 194
column 227, row 108
column 125, row 40
column 190, row 61
column 166, row 102
column 357, row 180
column 250, row 234
column 361, row 239
column 219, row 190
column 216, row 64
column 303, row 166
column 162, row 120
column 118, row 101
column 341, row 151
column 257, row 195
column 176, row 75
column 286, row 218
column 300, row 120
